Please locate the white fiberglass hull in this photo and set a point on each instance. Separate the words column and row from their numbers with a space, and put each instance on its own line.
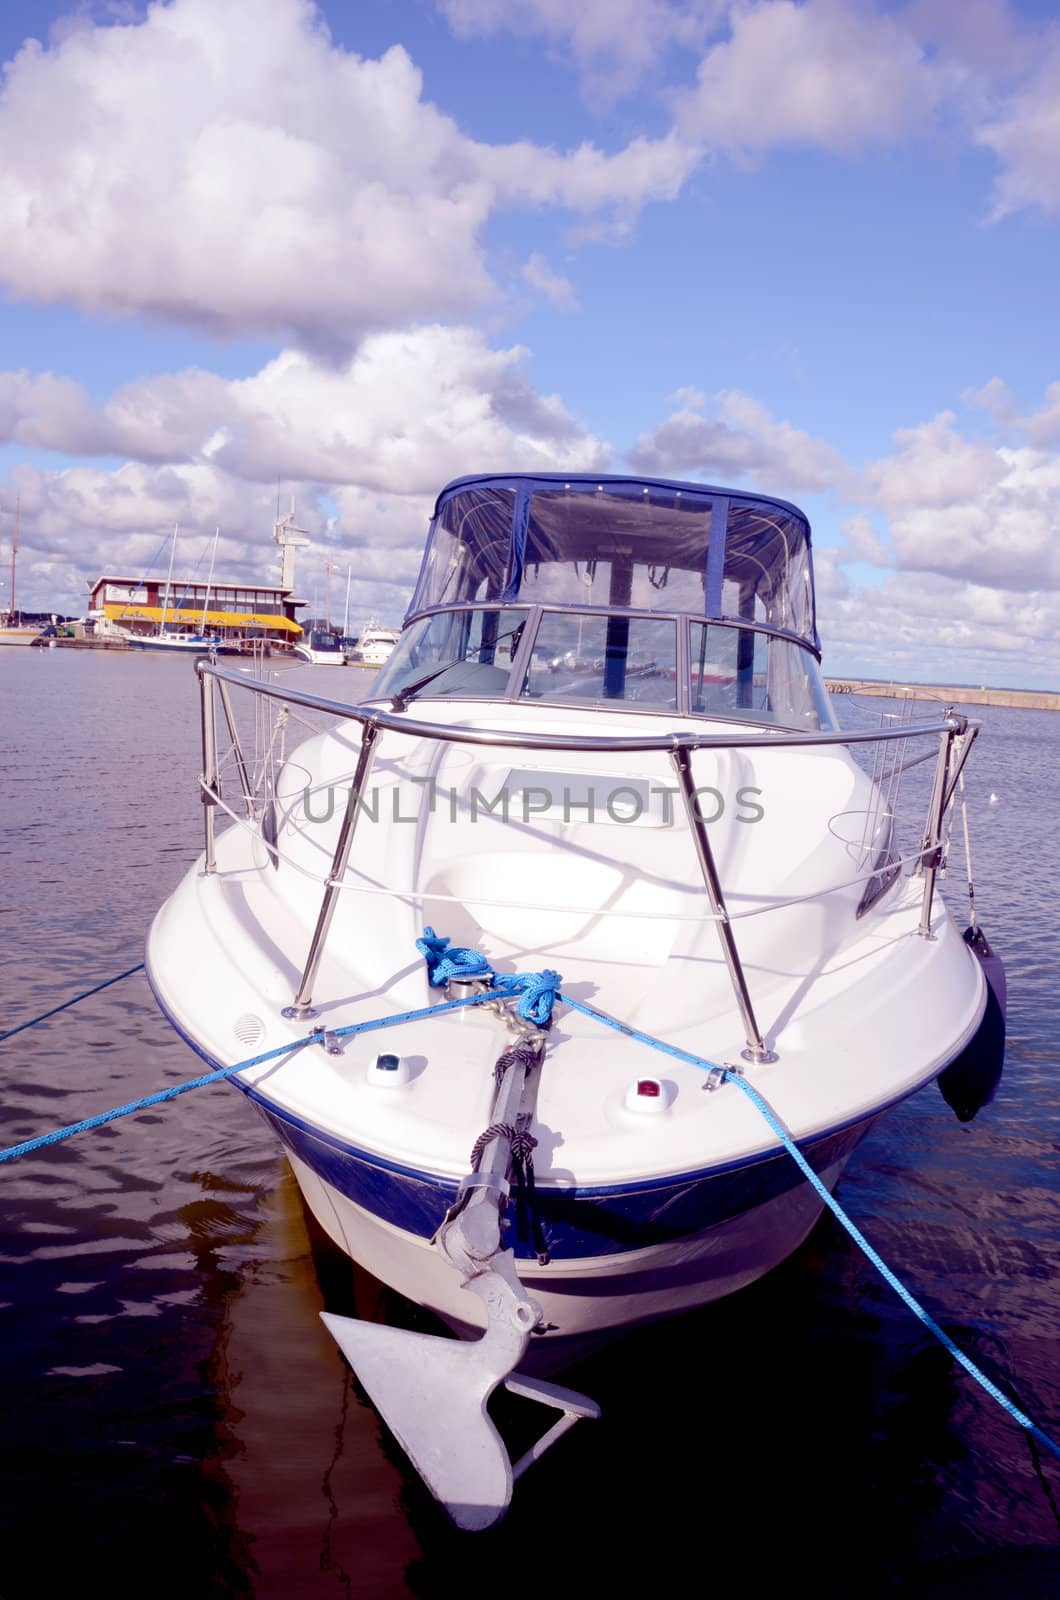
column 19, row 636
column 585, row 1302
column 644, row 1215
column 319, row 658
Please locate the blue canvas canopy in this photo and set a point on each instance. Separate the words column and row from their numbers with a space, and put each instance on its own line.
column 576, row 540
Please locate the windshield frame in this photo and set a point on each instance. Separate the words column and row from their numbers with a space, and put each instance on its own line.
column 683, row 622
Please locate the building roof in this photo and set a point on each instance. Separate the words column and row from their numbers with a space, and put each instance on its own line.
column 178, row 585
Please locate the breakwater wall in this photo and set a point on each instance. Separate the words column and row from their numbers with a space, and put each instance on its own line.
column 950, row 694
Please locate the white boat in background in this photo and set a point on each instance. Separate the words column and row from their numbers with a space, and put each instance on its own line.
column 13, row 631
column 320, row 647
column 606, row 720
column 374, row 646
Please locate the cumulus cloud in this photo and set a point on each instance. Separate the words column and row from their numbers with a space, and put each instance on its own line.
column 861, row 542
column 402, row 415
column 376, row 437
column 740, row 441
column 1042, row 427
column 927, row 627
column 553, row 285
column 614, row 42
column 959, row 506
column 229, row 166
column 1024, row 133
column 827, row 73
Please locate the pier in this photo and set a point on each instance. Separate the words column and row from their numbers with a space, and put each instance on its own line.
column 957, row 694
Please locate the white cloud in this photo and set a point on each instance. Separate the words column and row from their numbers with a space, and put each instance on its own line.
column 742, row 440
column 836, row 74
column 1024, row 133
column 928, row 628
column 553, row 285
column 615, row 42
column 986, row 513
column 1043, row 426
column 861, row 542
column 402, row 415
column 228, row 166
column 377, row 436
column 995, row 398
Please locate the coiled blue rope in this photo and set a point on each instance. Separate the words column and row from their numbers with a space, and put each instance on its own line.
column 537, row 991
column 445, row 961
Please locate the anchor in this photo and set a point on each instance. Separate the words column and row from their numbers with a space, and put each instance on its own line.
column 433, row 1392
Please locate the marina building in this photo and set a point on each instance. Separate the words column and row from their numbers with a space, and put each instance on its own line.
column 232, row 612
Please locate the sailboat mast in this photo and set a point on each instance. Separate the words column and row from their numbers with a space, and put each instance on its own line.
column 346, row 616
column 209, row 580
column 14, row 559
column 169, row 580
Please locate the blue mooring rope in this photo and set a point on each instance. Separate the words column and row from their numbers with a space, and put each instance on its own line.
column 32, row 1023
column 57, row 1136
column 538, row 992
column 730, row 1075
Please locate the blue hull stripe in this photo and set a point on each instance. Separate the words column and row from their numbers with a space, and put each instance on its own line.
column 596, row 1220
column 578, row 1223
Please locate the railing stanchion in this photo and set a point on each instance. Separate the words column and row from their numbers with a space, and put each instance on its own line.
column 237, row 748
column 209, row 767
column 931, row 851
column 302, row 1005
column 756, row 1048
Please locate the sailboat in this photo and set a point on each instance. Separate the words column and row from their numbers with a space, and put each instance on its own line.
column 180, row 643
column 12, row 630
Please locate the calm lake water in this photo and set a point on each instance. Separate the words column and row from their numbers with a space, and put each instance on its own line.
column 178, row 1421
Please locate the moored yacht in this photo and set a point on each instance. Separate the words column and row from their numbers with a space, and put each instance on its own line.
column 374, row 646
column 601, row 748
column 13, row 631
column 320, row 647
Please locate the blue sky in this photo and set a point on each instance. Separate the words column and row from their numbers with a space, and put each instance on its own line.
column 355, row 250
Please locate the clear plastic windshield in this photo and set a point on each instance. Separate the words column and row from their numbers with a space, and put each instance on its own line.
column 465, row 653
column 622, row 543
column 593, row 659
column 736, row 672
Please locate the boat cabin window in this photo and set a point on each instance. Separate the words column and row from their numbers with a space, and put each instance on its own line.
column 591, row 658
column 597, row 658
column 737, row 672
column 321, row 639
column 470, row 650
column 648, row 551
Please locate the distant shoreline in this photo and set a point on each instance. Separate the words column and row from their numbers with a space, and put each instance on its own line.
column 951, row 694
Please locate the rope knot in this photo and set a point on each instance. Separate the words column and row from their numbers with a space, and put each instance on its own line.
column 445, row 961
column 537, row 991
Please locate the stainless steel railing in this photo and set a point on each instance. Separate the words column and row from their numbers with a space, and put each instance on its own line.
column 955, row 736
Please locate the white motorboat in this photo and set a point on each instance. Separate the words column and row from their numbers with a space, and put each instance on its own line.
column 12, row 631
column 602, row 745
column 374, row 647
column 320, row 647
